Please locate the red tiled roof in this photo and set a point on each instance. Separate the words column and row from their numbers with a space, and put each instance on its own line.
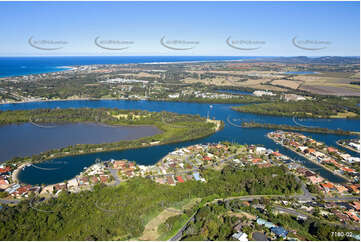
column 6, row 169
column 276, row 153
column 103, row 178
column 347, row 169
column 256, row 160
column 310, row 150
column 331, row 149
column 180, row 179
column 327, row 185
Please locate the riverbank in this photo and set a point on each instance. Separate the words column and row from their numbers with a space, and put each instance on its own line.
column 191, row 128
column 15, row 174
column 298, row 128
column 238, row 100
column 338, row 142
column 322, row 108
column 314, row 162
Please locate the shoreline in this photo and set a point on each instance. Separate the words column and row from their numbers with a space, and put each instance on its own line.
column 218, row 123
column 162, row 100
column 15, row 174
column 64, row 69
column 347, row 147
column 73, row 67
column 126, row 99
column 318, row 164
column 291, row 116
column 252, row 125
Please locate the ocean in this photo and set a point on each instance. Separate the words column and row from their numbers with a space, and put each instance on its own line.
column 17, row 66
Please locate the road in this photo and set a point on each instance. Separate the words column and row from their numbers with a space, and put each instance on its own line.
column 179, row 234
column 306, row 195
column 344, row 198
column 289, row 211
column 114, row 173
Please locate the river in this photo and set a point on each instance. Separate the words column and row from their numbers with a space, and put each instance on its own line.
column 28, row 138
column 68, row 167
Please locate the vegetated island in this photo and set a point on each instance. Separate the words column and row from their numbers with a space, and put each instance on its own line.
column 237, row 99
column 298, row 128
column 174, row 127
column 323, row 108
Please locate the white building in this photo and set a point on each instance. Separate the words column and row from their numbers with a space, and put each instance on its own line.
column 240, row 236
column 263, row 93
column 260, row 150
column 357, row 146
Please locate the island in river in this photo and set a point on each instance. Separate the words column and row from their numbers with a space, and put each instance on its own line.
column 167, row 128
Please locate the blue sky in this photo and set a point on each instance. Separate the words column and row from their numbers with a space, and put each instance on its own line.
column 333, row 26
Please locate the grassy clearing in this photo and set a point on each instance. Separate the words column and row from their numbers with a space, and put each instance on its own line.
column 151, row 229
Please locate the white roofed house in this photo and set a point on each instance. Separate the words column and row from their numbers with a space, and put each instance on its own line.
column 302, row 148
column 73, row 185
column 354, row 145
column 240, row 236
column 260, row 150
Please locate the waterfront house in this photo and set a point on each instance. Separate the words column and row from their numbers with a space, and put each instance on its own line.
column 260, row 150
column 4, row 184
column 340, row 188
column 12, row 188
column 328, row 187
column 160, row 180
column 309, row 173
column 4, row 170
column 356, row 205
column 277, row 154
column 349, row 170
column 310, row 151
column 83, row 180
column 354, row 145
column 73, row 183
column 353, row 216
column 119, row 164
column 315, row 179
column 60, row 186
column 189, row 177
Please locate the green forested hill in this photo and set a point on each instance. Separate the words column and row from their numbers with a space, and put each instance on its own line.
column 123, row 211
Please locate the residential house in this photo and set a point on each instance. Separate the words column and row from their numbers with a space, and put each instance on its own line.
column 240, row 236
column 279, row 231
